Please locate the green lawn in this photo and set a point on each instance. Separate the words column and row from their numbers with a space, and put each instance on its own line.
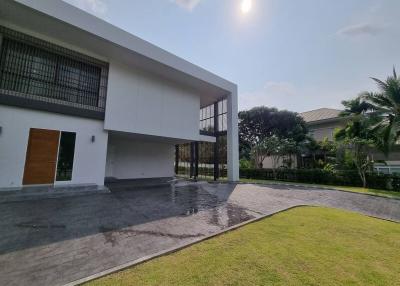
column 302, row 246
column 381, row 193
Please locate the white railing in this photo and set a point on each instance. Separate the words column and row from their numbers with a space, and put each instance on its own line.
column 387, row 169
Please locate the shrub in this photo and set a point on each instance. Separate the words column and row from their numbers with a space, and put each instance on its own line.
column 244, row 164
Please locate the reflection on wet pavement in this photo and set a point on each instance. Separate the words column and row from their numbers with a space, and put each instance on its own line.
column 124, row 211
column 79, row 236
column 194, row 199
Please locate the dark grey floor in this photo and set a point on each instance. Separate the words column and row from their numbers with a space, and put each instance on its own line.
column 56, row 241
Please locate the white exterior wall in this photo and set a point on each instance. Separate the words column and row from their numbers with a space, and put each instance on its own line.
column 152, row 99
column 141, row 103
column 89, row 159
column 319, row 134
column 325, row 130
column 133, row 159
column 268, row 163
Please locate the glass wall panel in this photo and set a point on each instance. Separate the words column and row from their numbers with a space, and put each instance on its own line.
column 66, row 153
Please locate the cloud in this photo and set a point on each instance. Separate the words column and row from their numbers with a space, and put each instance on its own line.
column 281, row 88
column 95, row 7
column 273, row 94
column 187, row 4
column 361, row 29
column 285, row 95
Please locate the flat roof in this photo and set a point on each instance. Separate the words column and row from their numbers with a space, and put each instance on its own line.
column 62, row 21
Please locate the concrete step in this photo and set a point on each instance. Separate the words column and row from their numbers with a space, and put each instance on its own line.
column 132, row 184
column 49, row 192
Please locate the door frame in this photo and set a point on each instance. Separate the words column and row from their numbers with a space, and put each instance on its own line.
column 66, row 182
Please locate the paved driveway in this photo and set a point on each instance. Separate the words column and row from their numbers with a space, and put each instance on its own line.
column 56, row 241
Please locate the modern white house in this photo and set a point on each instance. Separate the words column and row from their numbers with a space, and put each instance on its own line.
column 82, row 100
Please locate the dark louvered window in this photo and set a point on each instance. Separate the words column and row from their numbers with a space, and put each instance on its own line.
column 30, row 70
column 39, row 74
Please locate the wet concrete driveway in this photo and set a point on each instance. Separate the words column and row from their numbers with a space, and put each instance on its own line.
column 56, row 241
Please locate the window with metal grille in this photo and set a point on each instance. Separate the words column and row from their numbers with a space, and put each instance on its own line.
column 45, row 76
column 31, row 70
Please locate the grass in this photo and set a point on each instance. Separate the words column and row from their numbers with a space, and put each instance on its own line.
column 380, row 193
column 302, row 246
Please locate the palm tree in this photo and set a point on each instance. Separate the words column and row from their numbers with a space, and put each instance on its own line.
column 356, row 107
column 385, row 106
column 374, row 120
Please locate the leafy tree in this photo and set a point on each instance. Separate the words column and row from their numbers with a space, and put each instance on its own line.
column 288, row 148
column 328, row 148
column 385, row 106
column 320, row 152
column 268, row 147
column 358, row 137
column 274, row 147
column 261, row 122
column 308, row 147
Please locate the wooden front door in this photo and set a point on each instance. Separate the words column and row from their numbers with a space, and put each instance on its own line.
column 41, row 156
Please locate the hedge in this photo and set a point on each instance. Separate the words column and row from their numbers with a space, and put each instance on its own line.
column 313, row 176
column 318, row 176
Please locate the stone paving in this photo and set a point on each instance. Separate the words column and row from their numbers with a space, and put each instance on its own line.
column 57, row 241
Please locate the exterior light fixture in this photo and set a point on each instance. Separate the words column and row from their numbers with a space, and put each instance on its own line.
column 93, row 138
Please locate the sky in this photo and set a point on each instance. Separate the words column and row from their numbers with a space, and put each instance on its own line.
column 290, row 54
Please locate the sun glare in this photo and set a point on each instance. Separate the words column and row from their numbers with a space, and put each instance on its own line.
column 245, row 7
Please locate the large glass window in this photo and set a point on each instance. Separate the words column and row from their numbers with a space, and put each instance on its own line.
column 31, row 70
column 66, row 153
column 207, row 118
column 222, row 115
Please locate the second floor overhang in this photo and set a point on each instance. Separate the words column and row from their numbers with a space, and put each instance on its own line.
column 67, row 24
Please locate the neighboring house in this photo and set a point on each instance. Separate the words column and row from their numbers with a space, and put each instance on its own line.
column 289, row 161
column 81, row 100
column 322, row 122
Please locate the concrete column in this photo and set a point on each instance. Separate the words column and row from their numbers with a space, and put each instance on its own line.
column 196, row 159
column 233, row 137
column 176, row 160
column 216, row 144
column 1, row 42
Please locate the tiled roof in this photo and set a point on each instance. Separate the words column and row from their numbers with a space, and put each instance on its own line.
column 320, row 114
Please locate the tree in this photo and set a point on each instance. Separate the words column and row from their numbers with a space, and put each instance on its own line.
column 274, row 147
column 356, row 106
column 328, row 148
column 269, row 146
column 358, row 137
column 385, row 106
column 261, row 122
